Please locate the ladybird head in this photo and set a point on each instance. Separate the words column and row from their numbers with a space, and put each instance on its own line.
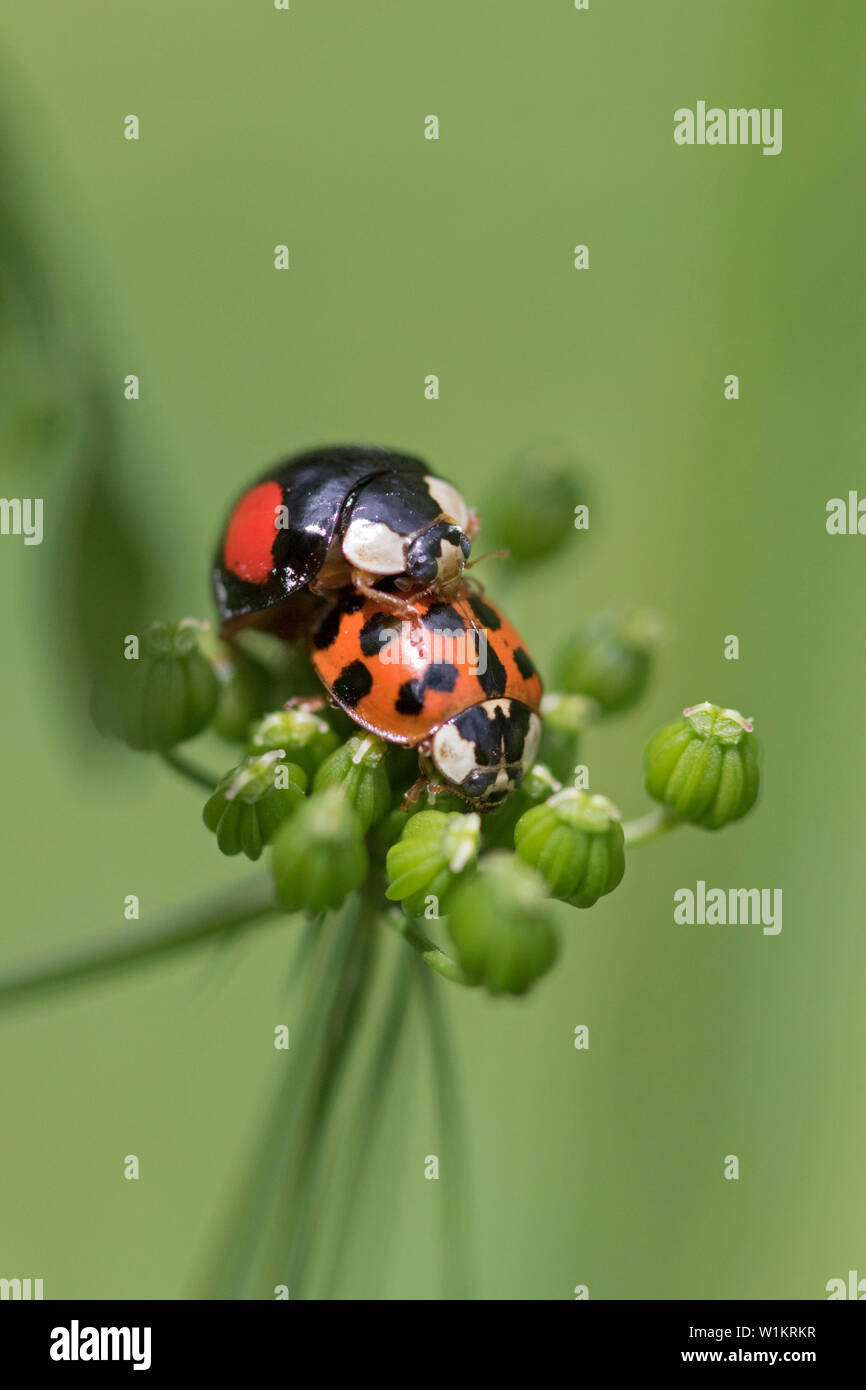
column 483, row 753
column 437, row 555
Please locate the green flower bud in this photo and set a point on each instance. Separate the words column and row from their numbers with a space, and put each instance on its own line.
column 358, row 767
column 575, row 841
column 704, row 767
column 609, row 658
column 246, row 692
column 305, row 738
column 388, row 830
column 565, row 718
column 533, row 509
column 433, row 853
column 501, row 923
column 163, row 697
column 318, row 856
column 252, row 801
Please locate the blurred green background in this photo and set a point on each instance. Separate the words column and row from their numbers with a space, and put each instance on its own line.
column 454, row 257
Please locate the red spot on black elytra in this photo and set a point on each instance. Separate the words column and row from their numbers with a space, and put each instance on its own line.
column 250, row 534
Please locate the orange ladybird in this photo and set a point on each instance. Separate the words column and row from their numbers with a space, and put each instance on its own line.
column 454, row 681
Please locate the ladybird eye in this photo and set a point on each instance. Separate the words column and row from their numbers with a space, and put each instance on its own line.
column 465, row 544
column 420, row 563
column 476, row 782
column 422, row 569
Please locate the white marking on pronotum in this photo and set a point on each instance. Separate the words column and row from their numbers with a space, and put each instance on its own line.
column 531, row 742
column 453, row 754
column 373, row 546
column 449, row 500
column 493, row 707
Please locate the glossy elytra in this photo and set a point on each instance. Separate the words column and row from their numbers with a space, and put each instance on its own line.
column 350, row 514
column 454, row 680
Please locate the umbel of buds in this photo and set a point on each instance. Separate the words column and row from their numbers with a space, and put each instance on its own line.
column 430, row 857
column 252, row 801
column 704, row 766
column 575, row 841
column 609, row 658
column 319, row 855
column 165, row 695
column 501, row 923
column 305, row 737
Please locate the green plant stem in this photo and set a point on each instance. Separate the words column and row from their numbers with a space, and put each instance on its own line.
column 169, row 935
column 237, row 1259
column 649, row 827
column 301, row 1212
column 371, row 1100
column 181, row 764
column 436, row 959
column 456, row 1226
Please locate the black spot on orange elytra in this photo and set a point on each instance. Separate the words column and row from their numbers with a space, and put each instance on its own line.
column 353, row 683
column 524, row 663
column 485, row 614
column 493, row 679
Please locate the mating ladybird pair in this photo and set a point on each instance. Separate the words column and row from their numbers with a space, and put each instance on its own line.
column 363, row 550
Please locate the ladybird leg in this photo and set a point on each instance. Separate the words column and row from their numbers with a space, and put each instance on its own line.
column 421, row 786
column 308, row 704
column 361, row 582
column 416, row 790
column 437, row 789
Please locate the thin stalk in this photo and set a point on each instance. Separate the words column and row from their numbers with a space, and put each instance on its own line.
column 427, row 950
column 236, row 1257
column 295, row 1215
column 370, row 1103
column 456, row 1276
column 179, row 763
column 168, row 935
column 649, row 827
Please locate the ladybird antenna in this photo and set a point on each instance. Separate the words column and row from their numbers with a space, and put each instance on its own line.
column 488, row 555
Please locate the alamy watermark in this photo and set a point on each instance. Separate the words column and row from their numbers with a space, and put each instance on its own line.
column 729, row 907
column 21, row 1289
column 464, row 648
column 22, row 516
column 739, row 125
column 76, row 1343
